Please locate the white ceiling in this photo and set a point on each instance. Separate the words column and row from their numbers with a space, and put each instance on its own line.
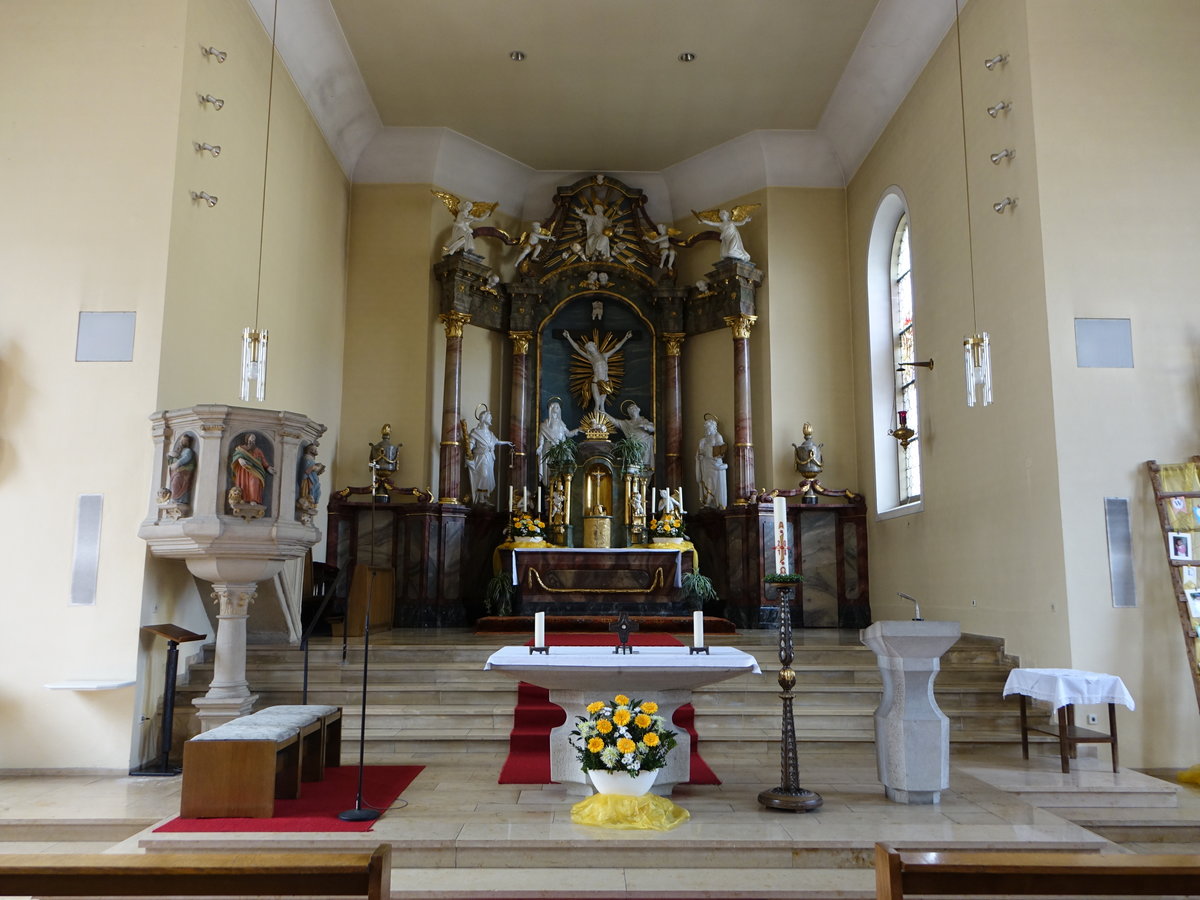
column 394, row 82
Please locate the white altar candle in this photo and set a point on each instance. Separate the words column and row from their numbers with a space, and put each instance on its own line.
column 781, row 547
column 697, row 629
column 538, row 511
column 539, row 629
column 525, row 499
column 510, row 497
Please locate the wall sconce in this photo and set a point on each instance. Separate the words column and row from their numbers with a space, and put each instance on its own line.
column 212, row 51
column 977, row 359
column 205, row 196
column 214, row 149
column 902, row 432
column 1006, row 153
column 254, row 363
column 924, row 364
column 216, row 102
column 1002, row 106
column 1004, row 204
column 997, row 60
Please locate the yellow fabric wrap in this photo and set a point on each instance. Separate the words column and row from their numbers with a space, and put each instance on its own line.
column 647, row 812
column 674, row 545
column 519, row 544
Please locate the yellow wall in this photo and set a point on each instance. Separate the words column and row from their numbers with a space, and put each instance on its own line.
column 987, row 549
column 1118, row 185
column 89, row 153
column 98, row 217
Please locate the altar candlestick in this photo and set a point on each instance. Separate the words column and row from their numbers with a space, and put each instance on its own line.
column 698, row 629
column 781, row 547
column 539, row 629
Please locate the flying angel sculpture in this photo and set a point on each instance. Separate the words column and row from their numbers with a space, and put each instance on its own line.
column 466, row 214
column 729, row 221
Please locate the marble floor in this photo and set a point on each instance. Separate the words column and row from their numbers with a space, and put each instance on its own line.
column 459, row 834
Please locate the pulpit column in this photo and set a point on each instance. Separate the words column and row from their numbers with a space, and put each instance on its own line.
column 673, row 409
column 229, row 693
column 743, row 427
column 518, row 415
column 450, row 475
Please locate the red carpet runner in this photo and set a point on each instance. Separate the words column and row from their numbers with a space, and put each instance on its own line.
column 319, row 803
column 529, row 744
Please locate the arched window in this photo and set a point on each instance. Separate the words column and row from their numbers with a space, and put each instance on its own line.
column 890, row 313
column 908, row 459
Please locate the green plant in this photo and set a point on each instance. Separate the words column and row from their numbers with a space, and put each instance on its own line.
column 497, row 596
column 698, row 590
column 622, row 735
column 629, row 452
column 562, row 458
column 776, row 578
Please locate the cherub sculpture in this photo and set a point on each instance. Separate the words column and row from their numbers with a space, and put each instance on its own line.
column 466, row 214
column 661, row 241
column 729, row 221
column 532, row 243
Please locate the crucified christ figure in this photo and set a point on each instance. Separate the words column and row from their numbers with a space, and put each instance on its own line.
column 601, row 386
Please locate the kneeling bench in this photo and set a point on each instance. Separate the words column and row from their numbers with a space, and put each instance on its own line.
column 239, row 768
column 1021, row 873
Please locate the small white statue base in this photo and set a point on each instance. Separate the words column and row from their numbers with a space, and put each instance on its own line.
column 912, row 736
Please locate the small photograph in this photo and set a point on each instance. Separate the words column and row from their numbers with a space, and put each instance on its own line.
column 1180, row 544
column 1193, row 602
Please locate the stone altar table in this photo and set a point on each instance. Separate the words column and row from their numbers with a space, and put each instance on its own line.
column 575, row 676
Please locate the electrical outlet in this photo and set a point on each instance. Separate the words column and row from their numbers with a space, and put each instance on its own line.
column 1092, row 719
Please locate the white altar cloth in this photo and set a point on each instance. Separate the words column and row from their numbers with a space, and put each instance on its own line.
column 576, row 676
column 1063, row 687
column 599, row 669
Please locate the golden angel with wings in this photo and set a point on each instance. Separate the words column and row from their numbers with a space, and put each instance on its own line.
column 466, row 214
column 728, row 221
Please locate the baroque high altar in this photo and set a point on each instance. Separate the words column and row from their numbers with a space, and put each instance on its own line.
column 598, row 327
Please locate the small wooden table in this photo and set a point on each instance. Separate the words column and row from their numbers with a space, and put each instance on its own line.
column 1063, row 688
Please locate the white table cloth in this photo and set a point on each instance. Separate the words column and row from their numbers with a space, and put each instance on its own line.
column 1063, row 687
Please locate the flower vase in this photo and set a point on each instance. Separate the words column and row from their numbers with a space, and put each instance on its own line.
column 666, row 539
column 622, row 783
column 536, row 539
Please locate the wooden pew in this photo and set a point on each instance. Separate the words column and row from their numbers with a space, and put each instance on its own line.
column 1013, row 873
column 291, row 874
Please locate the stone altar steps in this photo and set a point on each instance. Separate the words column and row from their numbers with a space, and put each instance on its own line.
column 427, row 688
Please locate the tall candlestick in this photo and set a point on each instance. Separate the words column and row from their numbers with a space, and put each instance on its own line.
column 698, row 629
column 781, row 546
column 539, row 629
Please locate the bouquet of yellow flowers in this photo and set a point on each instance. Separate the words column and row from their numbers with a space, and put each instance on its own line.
column 670, row 525
column 526, row 526
column 622, row 735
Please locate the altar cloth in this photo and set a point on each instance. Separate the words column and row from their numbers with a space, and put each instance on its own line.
column 600, row 669
column 1064, row 687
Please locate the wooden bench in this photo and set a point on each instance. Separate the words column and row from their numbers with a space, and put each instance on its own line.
column 973, row 873
column 291, row 874
column 238, row 769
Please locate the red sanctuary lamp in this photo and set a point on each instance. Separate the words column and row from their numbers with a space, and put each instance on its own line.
column 902, row 432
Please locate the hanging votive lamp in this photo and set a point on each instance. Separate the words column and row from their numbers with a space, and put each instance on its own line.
column 254, row 363
column 902, row 432
column 977, row 359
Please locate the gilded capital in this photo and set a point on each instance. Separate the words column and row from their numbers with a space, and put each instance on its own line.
column 674, row 341
column 520, row 341
column 454, row 322
column 740, row 325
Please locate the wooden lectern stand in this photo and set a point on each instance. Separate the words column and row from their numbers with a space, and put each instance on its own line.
column 175, row 636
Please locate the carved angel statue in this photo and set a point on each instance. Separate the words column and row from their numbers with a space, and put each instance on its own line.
column 661, row 241
column 670, row 501
column 729, row 221
column 532, row 244
column 466, row 213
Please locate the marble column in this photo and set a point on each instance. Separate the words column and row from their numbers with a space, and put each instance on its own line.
column 518, row 414
column 743, row 426
column 229, row 693
column 672, row 410
column 450, row 475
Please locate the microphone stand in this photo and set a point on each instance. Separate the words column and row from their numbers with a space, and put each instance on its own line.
column 361, row 813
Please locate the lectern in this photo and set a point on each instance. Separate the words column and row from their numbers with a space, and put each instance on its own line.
column 175, row 636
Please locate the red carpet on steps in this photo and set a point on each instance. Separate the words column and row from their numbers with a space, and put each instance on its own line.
column 317, row 807
column 529, row 744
